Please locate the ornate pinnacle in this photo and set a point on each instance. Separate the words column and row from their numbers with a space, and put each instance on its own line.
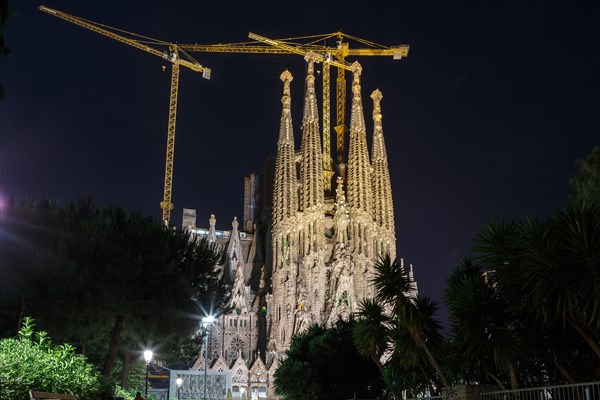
column 286, row 77
column 356, row 70
column 310, row 58
column 212, row 221
column 376, row 96
column 379, row 152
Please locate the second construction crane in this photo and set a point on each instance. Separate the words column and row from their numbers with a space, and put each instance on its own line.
column 328, row 55
column 169, row 52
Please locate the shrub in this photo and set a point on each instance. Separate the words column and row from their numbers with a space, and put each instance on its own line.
column 32, row 362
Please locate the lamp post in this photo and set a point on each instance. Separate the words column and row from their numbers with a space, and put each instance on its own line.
column 178, row 381
column 147, row 358
column 206, row 322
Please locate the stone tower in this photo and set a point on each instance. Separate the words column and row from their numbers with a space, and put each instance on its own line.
column 320, row 251
column 324, row 249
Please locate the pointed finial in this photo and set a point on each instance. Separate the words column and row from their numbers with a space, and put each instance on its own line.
column 356, row 70
column 286, row 77
column 310, row 58
column 376, row 96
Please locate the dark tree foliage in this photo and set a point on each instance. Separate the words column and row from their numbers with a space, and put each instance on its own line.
column 399, row 326
column 112, row 282
column 526, row 309
column 586, row 183
column 484, row 329
column 324, row 364
column 4, row 51
column 31, row 361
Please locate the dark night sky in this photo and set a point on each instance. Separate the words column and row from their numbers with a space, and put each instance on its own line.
column 483, row 120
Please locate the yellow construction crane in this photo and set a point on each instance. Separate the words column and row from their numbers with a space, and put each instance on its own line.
column 329, row 56
column 167, row 51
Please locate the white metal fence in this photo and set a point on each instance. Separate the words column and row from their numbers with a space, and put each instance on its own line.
column 580, row 391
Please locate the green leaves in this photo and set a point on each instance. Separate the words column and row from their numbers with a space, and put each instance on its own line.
column 32, row 362
column 107, row 264
column 586, row 183
column 537, row 307
column 398, row 331
column 323, row 364
column 371, row 331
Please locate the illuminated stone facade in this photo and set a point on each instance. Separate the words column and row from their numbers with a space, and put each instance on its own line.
column 318, row 250
column 233, row 338
column 324, row 249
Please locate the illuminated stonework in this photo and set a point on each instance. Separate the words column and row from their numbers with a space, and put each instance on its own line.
column 324, row 251
column 318, row 252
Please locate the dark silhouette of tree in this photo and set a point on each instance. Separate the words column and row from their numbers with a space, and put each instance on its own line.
column 114, row 274
column 410, row 314
column 547, row 273
column 484, row 333
column 4, row 50
column 586, row 182
column 323, row 363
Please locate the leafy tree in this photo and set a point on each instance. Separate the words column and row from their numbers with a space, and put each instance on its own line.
column 371, row 333
column 4, row 51
column 116, row 275
column 32, row 362
column 485, row 338
column 324, row 364
column 586, row 183
column 547, row 273
column 411, row 331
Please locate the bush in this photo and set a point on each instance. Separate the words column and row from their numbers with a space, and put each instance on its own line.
column 32, row 362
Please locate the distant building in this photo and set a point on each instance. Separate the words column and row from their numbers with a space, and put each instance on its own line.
column 310, row 258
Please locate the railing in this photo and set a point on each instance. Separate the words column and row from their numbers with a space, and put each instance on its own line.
column 580, row 391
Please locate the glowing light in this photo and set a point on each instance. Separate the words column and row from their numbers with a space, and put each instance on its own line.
column 148, row 356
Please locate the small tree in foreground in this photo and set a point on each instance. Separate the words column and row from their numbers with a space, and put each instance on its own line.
column 32, row 362
column 322, row 363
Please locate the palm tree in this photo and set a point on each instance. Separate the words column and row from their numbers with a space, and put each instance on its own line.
column 483, row 325
column 371, row 333
column 395, row 290
column 548, row 270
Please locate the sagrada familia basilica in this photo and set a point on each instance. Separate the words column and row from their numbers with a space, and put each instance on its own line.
column 308, row 257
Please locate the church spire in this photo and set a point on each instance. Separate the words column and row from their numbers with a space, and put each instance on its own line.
column 311, row 168
column 235, row 256
column 285, row 197
column 359, row 165
column 384, row 209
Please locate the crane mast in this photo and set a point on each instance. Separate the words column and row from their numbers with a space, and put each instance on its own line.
column 170, row 54
column 328, row 55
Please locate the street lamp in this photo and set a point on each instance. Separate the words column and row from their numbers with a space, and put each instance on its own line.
column 206, row 322
column 178, row 381
column 147, row 358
